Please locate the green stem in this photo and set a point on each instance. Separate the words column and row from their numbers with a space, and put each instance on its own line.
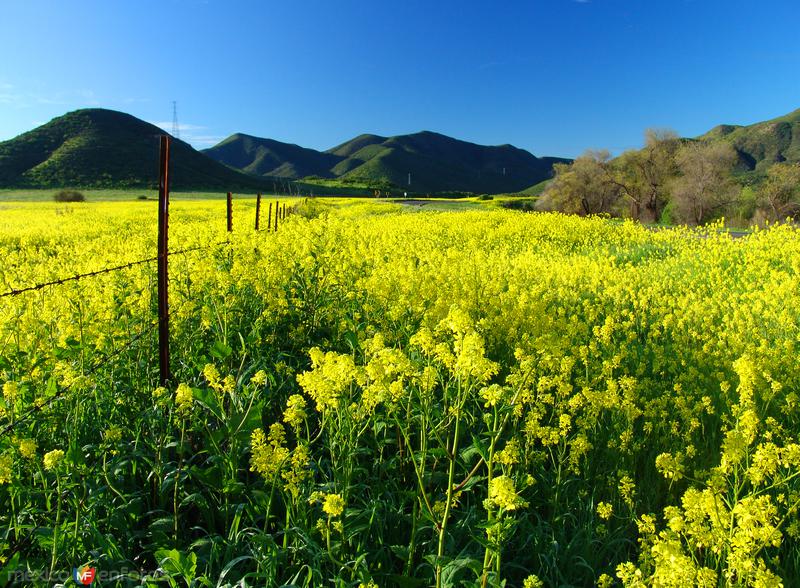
column 412, row 541
column 450, row 479
column 177, row 481
column 55, row 527
column 487, row 555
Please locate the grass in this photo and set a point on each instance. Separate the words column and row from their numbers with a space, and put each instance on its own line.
column 124, row 195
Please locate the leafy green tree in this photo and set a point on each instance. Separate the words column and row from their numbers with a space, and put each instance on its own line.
column 583, row 187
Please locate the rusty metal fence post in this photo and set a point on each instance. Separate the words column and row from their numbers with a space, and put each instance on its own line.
column 230, row 212
column 258, row 210
column 163, row 256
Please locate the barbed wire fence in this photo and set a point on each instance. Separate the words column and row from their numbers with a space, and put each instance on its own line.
column 162, row 258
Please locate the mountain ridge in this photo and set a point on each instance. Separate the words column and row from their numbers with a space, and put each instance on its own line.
column 762, row 144
column 436, row 162
column 96, row 148
column 102, row 148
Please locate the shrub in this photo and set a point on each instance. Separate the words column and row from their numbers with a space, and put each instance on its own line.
column 69, row 196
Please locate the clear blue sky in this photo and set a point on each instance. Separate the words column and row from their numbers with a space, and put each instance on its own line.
column 552, row 76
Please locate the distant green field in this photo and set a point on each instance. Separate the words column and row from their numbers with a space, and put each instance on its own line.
column 103, row 195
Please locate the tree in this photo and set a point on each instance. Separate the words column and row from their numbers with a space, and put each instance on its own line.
column 69, row 196
column 644, row 176
column 779, row 195
column 705, row 185
column 584, row 187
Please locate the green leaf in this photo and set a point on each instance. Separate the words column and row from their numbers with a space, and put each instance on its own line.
column 8, row 569
column 220, row 350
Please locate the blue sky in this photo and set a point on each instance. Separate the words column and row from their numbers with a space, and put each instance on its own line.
column 552, row 76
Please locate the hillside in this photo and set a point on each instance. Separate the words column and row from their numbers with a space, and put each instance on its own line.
column 437, row 163
column 762, row 144
column 266, row 157
column 98, row 148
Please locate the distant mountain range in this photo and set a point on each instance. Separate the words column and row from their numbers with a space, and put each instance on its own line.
column 107, row 149
column 437, row 163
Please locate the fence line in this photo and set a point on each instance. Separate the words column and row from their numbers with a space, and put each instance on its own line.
column 59, row 281
column 92, row 370
column 280, row 214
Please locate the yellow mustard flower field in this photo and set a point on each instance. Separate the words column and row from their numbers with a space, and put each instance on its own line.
column 380, row 396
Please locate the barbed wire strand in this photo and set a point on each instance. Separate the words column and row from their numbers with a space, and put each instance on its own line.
column 92, row 370
column 18, row 291
column 60, row 394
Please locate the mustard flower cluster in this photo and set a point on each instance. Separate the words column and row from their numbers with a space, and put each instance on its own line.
column 330, row 376
column 53, row 459
column 184, row 399
column 503, row 494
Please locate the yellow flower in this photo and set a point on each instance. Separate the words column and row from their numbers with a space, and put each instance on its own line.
column 627, row 489
column 211, row 374
column 113, row 434
column 671, row 467
column 27, row 448
column 10, row 392
column 330, row 375
column 267, row 456
column 260, row 378
column 532, row 581
column 605, row 581
column 53, row 459
column 604, row 510
column 333, row 505
column 510, row 454
column 503, row 494
column 184, row 399
column 5, row 469
column 295, row 412
column 493, row 395
column 299, row 471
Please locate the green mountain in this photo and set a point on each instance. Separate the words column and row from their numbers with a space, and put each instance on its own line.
column 98, row 148
column 265, row 157
column 437, row 163
column 762, row 144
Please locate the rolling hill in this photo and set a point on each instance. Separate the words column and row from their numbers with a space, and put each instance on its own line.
column 762, row 144
column 99, row 148
column 437, row 163
column 265, row 157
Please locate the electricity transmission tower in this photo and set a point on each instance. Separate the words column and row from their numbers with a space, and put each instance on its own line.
column 175, row 128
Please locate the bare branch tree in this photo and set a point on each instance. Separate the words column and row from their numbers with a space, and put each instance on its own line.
column 705, row 186
column 779, row 195
column 644, row 175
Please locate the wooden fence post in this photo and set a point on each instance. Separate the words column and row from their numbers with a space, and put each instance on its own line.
column 277, row 210
column 163, row 256
column 258, row 210
column 230, row 212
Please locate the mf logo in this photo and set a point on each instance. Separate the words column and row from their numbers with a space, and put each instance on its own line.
column 83, row 576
